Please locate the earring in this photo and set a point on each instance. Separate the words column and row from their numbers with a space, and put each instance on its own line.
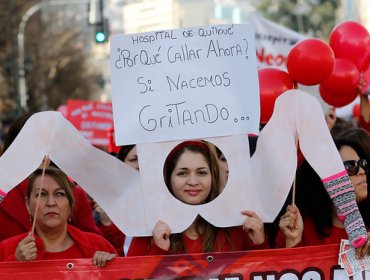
column 69, row 219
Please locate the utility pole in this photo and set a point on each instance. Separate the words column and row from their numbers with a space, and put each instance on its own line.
column 22, row 86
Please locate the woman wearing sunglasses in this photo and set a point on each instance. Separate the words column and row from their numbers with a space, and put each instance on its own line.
column 316, row 222
column 362, row 137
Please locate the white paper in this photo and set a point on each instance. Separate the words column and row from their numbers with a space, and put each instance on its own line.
column 184, row 84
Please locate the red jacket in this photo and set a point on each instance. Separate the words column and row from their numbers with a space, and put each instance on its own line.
column 142, row 246
column 87, row 244
column 365, row 125
column 114, row 236
column 15, row 219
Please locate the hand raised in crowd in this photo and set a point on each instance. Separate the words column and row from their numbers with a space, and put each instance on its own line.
column 291, row 223
column 365, row 249
column 254, row 227
column 361, row 84
column 26, row 249
column 100, row 258
column 104, row 218
column 364, row 100
column 161, row 235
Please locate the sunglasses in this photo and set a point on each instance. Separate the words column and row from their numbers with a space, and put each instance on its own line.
column 352, row 166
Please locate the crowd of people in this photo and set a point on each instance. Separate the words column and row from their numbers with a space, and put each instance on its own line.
column 48, row 216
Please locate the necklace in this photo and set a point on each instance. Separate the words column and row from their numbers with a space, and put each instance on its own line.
column 59, row 248
column 67, row 242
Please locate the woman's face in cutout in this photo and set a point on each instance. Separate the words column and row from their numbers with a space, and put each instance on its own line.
column 191, row 178
column 131, row 158
column 358, row 180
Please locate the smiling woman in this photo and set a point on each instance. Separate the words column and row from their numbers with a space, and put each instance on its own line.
column 192, row 175
column 54, row 238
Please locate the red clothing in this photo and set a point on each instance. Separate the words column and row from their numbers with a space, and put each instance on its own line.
column 365, row 125
column 142, row 246
column 310, row 237
column 85, row 246
column 114, row 236
column 15, row 219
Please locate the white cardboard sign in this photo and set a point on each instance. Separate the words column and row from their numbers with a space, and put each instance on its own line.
column 184, row 84
column 135, row 205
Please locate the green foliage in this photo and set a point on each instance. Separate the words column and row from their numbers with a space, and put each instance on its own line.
column 315, row 18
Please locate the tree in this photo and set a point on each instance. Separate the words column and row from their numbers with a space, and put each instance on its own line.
column 57, row 65
column 315, row 18
column 8, row 50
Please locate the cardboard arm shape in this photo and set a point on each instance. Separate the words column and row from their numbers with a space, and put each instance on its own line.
column 117, row 187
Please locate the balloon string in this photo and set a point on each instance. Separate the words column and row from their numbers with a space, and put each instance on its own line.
column 45, row 164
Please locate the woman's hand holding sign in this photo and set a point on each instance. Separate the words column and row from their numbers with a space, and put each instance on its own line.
column 291, row 223
column 254, row 227
column 26, row 249
column 161, row 235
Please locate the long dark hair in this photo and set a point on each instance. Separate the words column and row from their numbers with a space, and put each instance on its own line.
column 14, row 129
column 206, row 231
column 123, row 152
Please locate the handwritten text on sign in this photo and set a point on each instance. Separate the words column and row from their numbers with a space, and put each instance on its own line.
column 185, row 83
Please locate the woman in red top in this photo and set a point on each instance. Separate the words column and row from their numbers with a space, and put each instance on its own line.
column 54, row 238
column 14, row 218
column 191, row 174
column 320, row 223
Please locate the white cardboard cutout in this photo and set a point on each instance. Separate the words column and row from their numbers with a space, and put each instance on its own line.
column 135, row 209
column 161, row 204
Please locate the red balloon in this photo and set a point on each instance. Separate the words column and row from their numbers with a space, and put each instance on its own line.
column 340, row 88
column 334, row 100
column 310, row 62
column 272, row 82
column 351, row 40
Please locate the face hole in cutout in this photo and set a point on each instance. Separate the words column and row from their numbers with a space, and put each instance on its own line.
column 195, row 172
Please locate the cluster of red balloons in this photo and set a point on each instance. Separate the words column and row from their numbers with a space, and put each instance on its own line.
column 336, row 67
column 350, row 42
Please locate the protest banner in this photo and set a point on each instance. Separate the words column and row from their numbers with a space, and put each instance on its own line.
column 273, row 42
column 184, row 84
column 93, row 119
column 307, row 263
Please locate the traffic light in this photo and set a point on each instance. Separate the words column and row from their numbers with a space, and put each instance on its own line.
column 101, row 32
column 97, row 20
